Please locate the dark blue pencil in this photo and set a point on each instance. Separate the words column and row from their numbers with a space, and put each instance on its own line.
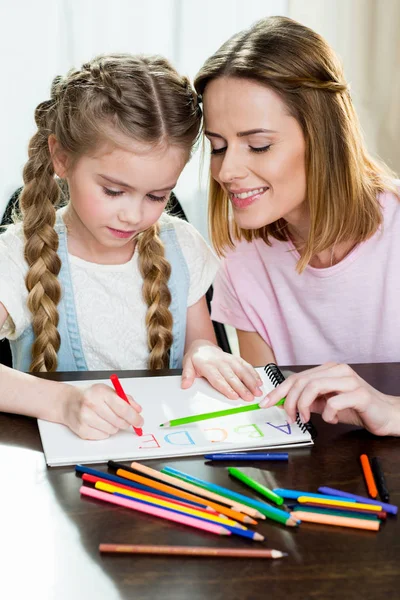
column 283, row 456
column 133, row 484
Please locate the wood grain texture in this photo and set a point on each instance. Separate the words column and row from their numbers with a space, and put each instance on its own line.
column 50, row 536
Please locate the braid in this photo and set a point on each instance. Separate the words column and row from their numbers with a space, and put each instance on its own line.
column 156, row 270
column 37, row 202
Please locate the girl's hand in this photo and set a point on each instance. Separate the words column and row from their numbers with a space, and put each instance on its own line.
column 337, row 393
column 230, row 375
column 97, row 412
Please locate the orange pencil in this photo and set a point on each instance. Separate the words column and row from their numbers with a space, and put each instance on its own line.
column 368, row 476
column 163, row 487
column 311, row 517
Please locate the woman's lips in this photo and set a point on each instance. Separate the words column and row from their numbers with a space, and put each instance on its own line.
column 245, row 202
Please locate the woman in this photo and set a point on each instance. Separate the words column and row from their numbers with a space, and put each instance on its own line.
column 310, row 271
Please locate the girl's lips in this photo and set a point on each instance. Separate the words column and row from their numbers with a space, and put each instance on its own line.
column 121, row 234
column 245, row 202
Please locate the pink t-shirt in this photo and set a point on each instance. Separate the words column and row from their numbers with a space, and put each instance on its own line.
column 349, row 312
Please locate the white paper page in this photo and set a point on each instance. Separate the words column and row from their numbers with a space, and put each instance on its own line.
column 163, row 399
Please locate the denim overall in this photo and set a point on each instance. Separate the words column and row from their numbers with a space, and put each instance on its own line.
column 70, row 354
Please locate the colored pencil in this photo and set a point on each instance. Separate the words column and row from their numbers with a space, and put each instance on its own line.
column 368, row 476
column 176, row 492
column 106, row 487
column 88, row 473
column 269, row 511
column 340, row 512
column 190, row 551
column 154, row 511
column 389, row 508
column 192, row 488
column 294, row 494
column 336, row 503
column 240, row 531
column 280, row 456
column 120, row 392
column 380, row 479
column 258, row 487
column 323, row 519
column 94, row 479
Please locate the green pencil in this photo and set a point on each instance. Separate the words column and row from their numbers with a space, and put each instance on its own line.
column 216, row 414
column 258, row 487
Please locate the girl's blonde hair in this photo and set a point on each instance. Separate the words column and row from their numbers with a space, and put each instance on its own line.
column 141, row 97
column 343, row 181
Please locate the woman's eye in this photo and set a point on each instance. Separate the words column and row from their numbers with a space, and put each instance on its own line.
column 109, row 192
column 262, row 149
column 218, row 150
column 157, row 198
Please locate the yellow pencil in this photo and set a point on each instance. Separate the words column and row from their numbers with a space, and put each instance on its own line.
column 106, row 487
column 344, row 504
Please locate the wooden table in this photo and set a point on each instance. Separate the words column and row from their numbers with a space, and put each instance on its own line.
column 50, row 536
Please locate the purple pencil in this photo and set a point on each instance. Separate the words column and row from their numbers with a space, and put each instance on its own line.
column 390, row 508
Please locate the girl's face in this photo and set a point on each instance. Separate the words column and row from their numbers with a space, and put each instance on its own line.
column 258, row 152
column 118, row 193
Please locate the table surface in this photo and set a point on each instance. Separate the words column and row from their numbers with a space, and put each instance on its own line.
column 50, row 536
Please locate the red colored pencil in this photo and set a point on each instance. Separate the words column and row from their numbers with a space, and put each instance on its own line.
column 120, row 392
column 368, row 475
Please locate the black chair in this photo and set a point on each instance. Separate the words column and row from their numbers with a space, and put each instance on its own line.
column 174, row 208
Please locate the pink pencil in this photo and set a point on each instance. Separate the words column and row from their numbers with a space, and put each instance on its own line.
column 152, row 510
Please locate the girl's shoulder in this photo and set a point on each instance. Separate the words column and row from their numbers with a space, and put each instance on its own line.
column 186, row 233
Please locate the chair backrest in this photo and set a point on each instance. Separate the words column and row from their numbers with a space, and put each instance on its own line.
column 175, row 208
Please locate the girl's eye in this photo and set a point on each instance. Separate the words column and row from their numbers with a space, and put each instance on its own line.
column 157, row 198
column 113, row 193
column 262, row 149
column 218, row 150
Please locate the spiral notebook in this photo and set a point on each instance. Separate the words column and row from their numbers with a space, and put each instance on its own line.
column 162, row 400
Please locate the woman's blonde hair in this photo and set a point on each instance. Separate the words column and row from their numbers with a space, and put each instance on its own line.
column 343, row 181
column 141, row 97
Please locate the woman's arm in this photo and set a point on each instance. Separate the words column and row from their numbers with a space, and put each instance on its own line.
column 253, row 348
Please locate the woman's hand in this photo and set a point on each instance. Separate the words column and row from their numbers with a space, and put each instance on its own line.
column 97, row 412
column 338, row 394
column 230, row 375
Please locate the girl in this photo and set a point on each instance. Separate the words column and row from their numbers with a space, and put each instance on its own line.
column 310, row 271
column 108, row 281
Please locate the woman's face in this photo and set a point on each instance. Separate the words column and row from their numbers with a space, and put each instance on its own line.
column 258, row 152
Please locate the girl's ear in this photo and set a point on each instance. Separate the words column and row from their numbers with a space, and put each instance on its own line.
column 59, row 157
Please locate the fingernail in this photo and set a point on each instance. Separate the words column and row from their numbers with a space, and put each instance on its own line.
column 258, row 392
column 234, row 395
column 264, row 402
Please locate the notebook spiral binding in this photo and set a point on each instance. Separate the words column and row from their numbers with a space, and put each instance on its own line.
column 276, row 376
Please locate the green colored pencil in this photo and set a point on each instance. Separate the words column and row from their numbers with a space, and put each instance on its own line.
column 336, row 513
column 216, row 414
column 258, row 487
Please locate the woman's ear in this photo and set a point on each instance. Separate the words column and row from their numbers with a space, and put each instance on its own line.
column 59, row 157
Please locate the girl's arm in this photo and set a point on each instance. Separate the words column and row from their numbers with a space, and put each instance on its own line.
column 230, row 375
column 253, row 348
column 92, row 413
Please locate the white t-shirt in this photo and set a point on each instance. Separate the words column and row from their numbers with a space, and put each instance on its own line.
column 108, row 298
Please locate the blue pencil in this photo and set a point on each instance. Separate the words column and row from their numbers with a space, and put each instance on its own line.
column 247, row 533
column 390, row 508
column 248, row 456
column 294, row 494
column 261, row 506
column 133, row 484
